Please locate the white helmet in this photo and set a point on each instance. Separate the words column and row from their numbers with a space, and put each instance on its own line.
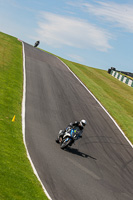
column 83, row 122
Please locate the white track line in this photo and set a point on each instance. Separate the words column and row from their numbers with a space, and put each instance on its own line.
column 99, row 104
column 23, row 123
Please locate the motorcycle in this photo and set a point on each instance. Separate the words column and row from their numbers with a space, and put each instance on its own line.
column 36, row 43
column 68, row 138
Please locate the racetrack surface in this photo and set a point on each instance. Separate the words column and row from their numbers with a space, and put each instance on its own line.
column 100, row 165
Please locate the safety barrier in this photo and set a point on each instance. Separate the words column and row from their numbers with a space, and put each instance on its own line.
column 121, row 77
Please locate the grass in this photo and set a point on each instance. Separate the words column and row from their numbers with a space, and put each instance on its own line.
column 17, row 180
column 114, row 95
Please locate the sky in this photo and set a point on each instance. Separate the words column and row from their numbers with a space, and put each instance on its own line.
column 96, row 33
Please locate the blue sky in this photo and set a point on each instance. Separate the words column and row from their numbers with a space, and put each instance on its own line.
column 97, row 33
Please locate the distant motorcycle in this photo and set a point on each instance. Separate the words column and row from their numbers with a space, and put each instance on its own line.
column 68, row 138
column 36, row 43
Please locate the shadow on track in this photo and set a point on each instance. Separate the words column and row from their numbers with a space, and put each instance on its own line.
column 77, row 152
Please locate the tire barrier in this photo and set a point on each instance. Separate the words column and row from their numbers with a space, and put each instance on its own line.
column 121, row 77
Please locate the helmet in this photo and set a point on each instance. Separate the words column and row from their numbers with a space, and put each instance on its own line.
column 83, row 122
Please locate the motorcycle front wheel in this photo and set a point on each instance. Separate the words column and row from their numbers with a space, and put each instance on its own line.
column 64, row 144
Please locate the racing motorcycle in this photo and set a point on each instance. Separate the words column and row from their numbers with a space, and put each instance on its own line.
column 68, row 138
column 36, row 43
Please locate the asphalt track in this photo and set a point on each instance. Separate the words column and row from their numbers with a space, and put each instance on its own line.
column 100, row 165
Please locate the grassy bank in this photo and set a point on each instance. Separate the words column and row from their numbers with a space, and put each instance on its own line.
column 114, row 95
column 17, row 180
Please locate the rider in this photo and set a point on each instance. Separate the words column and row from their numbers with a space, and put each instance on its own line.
column 37, row 43
column 77, row 124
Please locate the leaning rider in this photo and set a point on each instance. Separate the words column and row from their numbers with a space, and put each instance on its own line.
column 77, row 124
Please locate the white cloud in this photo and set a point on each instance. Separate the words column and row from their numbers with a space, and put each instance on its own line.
column 57, row 30
column 121, row 15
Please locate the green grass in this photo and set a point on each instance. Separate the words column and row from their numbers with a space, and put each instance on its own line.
column 17, row 180
column 114, row 95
